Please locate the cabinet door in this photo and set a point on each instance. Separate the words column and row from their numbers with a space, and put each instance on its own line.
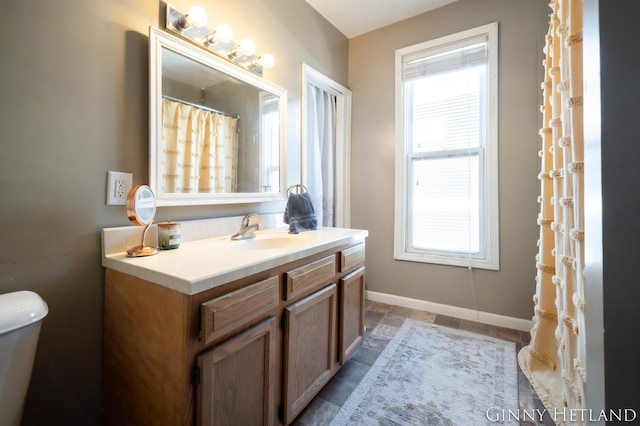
column 351, row 313
column 237, row 379
column 310, row 357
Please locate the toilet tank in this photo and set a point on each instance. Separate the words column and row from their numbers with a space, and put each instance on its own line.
column 21, row 315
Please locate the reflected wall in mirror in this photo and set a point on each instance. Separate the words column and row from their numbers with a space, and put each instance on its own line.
column 216, row 130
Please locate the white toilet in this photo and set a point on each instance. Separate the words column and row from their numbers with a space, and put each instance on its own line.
column 21, row 315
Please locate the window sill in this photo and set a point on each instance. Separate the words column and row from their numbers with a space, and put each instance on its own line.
column 461, row 261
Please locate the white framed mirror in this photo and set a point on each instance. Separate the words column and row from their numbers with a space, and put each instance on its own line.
column 216, row 131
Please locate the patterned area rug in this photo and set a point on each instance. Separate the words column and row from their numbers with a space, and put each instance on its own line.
column 436, row 376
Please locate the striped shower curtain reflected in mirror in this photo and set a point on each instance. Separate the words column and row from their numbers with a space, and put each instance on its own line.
column 199, row 150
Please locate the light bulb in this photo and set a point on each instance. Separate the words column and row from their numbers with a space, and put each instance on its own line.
column 224, row 33
column 247, row 47
column 267, row 60
column 196, row 17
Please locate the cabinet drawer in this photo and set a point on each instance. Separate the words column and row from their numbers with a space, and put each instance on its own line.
column 310, row 276
column 222, row 314
column 351, row 257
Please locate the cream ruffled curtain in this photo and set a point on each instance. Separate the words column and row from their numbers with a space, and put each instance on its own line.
column 200, row 149
column 554, row 360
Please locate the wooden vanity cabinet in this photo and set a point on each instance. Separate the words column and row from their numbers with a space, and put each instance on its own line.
column 251, row 352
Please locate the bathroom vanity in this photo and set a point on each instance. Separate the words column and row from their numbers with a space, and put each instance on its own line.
column 222, row 332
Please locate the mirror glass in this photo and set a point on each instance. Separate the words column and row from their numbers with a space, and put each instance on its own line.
column 216, row 130
column 141, row 205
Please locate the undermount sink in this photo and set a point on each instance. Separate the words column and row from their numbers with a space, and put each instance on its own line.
column 268, row 241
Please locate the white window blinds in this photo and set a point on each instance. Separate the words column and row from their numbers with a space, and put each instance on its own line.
column 450, row 57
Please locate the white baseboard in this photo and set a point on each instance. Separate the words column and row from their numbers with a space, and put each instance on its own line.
column 453, row 311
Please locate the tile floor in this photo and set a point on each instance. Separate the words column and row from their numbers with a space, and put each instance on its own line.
column 382, row 322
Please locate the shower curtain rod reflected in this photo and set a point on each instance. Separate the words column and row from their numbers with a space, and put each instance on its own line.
column 206, row 108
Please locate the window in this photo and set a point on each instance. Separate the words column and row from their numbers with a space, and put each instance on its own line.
column 447, row 150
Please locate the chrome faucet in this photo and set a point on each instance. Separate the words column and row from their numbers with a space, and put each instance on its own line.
column 247, row 229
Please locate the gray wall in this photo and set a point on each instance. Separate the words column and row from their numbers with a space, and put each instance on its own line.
column 74, row 91
column 522, row 27
column 613, row 203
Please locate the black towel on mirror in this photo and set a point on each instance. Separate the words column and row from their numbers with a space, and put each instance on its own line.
column 299, row 213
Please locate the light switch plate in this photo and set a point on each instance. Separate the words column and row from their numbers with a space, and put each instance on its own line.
column 118, row 186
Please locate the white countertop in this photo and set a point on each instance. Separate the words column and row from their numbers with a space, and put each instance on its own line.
column 199, row 265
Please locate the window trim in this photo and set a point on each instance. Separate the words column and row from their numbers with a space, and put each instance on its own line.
column 489, row 244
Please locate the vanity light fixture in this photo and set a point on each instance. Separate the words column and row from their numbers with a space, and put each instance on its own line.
column 192, row 25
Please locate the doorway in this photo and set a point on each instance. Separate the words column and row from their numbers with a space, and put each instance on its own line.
column 325, row 148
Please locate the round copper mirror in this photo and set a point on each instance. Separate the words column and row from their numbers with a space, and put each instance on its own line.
column 141, row 209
